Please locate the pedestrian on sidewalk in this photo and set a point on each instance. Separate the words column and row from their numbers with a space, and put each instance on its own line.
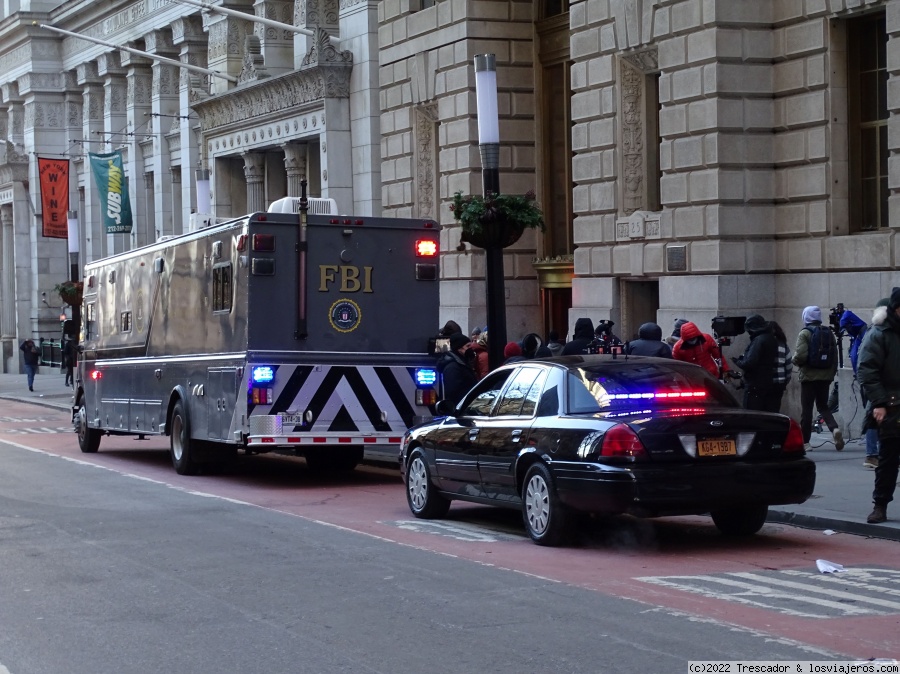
column 816, row 356
column 856, row 328
column 31, row 357
column 68, row 359
column 879, row 375
column 760, row 365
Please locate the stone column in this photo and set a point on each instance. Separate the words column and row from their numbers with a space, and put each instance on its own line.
column 115, row 128
column 314, row 14
column 79, row 171
column 92, row 120
column 164, row 103
column 295, row 165
column 139, row 79
column 227, row 38
column 188, row 36
column 277, row 45
column 7, row 276
column 255, row 173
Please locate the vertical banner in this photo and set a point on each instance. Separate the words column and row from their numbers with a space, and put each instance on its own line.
column 113, row 189
column 54, row 176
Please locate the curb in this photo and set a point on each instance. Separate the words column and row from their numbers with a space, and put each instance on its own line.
column 41, row 402
column 844, row 526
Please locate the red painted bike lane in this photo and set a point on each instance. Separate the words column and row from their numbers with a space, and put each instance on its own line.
column 768, row 583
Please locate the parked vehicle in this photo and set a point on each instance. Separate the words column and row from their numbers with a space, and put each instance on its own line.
column 609, row 435
column 305, row 334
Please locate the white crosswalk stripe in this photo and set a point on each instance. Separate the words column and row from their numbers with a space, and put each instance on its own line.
column 856, row 592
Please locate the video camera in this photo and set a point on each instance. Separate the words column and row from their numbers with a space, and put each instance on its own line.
column 604, row 339
column 834, row 318
column 726, row 327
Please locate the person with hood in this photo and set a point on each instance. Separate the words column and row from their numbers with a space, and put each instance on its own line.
column 649, row 343
column 512, row 353
column 701, row 349
column 582, row 337
column 856, row 328
column 456, row 373
column 879, row 375
column 815, row 380
column 478, row 351
column 553, row 344
column 760, row 363
column 672, row 339
column 533, row 347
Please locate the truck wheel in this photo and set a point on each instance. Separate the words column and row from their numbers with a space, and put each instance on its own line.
column 180, row 443
column 88, row 438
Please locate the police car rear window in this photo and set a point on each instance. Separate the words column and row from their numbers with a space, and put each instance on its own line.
column 633, row 386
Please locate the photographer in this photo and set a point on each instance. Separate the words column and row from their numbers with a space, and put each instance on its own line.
column 457, row 374
column 759, row 363
column 604, row 339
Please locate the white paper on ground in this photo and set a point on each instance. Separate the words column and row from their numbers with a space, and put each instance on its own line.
column 825, row 566
column 829, row 532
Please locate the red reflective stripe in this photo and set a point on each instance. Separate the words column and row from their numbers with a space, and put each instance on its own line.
column 267, row 439
column 394, row 439
column 320, row 439
column 370, row 439
column 294, row 440
column 345, row 439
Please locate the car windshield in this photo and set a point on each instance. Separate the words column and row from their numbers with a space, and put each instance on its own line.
column 644, row 385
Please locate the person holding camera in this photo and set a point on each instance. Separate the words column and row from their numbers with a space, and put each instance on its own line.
column 816, row 355
column 878, row 373
column 760, row 365
column 457, row 374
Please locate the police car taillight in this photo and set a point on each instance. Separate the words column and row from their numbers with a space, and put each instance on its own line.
column 621, row 440
column 426, row 248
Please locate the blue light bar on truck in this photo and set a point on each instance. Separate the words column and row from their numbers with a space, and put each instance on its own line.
column 426, row 377
column 262, row 374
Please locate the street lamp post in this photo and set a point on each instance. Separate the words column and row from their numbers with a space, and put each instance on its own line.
column 489, row 146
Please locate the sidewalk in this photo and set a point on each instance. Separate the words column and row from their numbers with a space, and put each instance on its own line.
column 841, row 502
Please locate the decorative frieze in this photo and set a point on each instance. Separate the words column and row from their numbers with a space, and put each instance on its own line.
column 43, row 115
column 426, row 118
column 254, row 67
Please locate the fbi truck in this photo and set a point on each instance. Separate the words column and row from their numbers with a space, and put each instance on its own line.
column 288, row 332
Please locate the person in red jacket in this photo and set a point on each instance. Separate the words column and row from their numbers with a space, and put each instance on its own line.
column 701, row 349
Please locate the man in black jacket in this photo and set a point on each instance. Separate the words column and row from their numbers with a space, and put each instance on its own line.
column 759, row 363
column 457, row 375
column 878, row 372
column 582, row 337
column 649, row 343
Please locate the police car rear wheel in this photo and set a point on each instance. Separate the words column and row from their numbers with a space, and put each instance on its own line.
column 423, row 498
column 180, row 442
column 88, row 438
column 743, row 521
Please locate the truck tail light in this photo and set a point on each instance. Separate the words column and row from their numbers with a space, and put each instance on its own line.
column 426, row 248
column 261, row 396
column 263, row 242
column 426, row 396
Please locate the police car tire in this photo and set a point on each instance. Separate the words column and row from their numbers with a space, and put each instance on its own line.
column 547, row 521
column 423, row 498
column 740, row 521
column 88, row 438
column 180, row 444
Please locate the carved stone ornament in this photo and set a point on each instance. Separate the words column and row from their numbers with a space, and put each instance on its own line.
column 254, row 67
column 638, row 225
column 633, row 125
column 426, row 117
column 322, row 52
column 257, row 100
column 647, row 60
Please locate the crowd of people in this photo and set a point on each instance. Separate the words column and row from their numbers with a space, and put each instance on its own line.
column 765, row 368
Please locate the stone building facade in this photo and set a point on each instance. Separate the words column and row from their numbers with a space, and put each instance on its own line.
column 268, row 107
column 695, row 157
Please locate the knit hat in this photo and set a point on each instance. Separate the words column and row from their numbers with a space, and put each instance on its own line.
column 812, row 315
column 755, row 323
column 458, row 340
column 895, row 299
column 512, row 349
column 678, row 323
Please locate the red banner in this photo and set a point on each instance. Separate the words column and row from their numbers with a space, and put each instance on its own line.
column 54, row 175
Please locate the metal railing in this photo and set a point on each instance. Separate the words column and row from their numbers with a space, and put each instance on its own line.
column 51, row 352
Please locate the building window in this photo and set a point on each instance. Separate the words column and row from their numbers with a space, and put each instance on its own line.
column 867, row 121
column 222, row 288
column 90, row 322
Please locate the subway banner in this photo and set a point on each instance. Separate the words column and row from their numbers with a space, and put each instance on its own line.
column 113, row 189
column 54, row 175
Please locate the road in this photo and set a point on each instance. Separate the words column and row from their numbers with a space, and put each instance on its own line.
column 114, row 563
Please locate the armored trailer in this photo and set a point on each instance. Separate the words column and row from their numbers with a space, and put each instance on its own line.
column 304, row 334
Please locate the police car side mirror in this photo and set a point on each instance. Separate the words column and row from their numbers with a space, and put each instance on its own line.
column 445, row 408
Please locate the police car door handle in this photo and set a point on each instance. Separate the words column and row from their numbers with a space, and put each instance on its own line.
column 473, row 434
column 517, row 435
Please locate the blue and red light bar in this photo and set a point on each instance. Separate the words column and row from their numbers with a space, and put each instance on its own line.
column 693, row 395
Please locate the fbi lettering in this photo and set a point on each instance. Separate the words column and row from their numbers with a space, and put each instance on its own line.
column 351, row 279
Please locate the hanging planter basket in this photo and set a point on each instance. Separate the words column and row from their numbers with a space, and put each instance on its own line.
column 71, row 292
column 495, row 221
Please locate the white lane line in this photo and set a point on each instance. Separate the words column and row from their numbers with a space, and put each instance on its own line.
column 831, row 592
column 760, row 591
column 873, row 580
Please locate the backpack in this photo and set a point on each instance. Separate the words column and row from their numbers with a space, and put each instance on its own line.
column 822, row 347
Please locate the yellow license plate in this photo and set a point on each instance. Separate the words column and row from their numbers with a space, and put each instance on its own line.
column 716, row 447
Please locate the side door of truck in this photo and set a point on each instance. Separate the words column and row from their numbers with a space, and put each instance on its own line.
column 221, row 396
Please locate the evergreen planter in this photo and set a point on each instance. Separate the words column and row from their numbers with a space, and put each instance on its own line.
column 71, row 292
column 495, row 221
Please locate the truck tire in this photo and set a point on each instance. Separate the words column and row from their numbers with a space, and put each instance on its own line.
column 180, row 444
column 88, row 438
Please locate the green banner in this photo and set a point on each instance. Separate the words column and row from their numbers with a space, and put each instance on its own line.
column 113, row 189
